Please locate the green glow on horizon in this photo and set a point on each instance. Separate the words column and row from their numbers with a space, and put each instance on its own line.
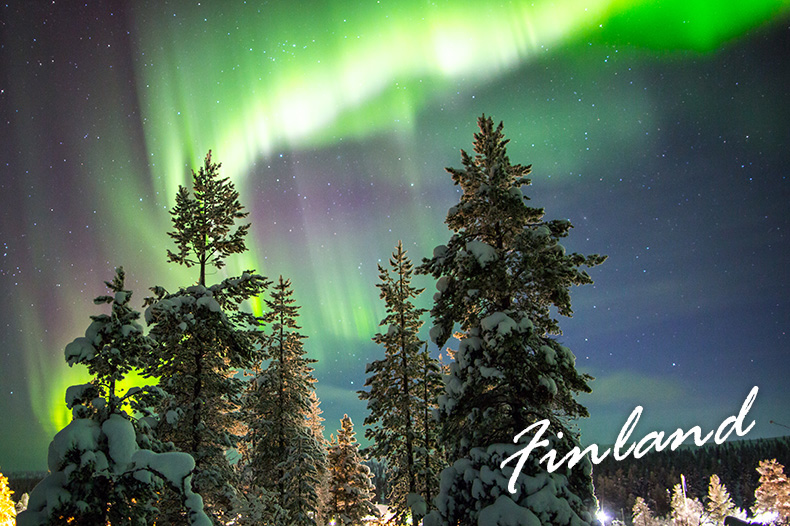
column 48, row 378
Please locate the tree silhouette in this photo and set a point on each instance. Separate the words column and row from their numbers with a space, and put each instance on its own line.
column 203, row 222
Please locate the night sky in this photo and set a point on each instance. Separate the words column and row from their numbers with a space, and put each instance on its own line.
column 660, row 130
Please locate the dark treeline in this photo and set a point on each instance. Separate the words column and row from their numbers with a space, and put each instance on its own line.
column 23, row 482
column 619, row 483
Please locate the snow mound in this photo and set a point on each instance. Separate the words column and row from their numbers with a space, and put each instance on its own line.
column 121, row 297
column 474, row 491
column 549, row 384
column 108, row 450
column 75, row 393
column 80, row 350
column 417, row 504
column 549, row 354
column 483, row 252
column 173, row 466
column 129, row 328
column 81, row 434
column 499, row 322
column 210, row 302
column 505, row 512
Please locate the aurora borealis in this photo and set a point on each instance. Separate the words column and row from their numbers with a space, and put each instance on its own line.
column 658, row 128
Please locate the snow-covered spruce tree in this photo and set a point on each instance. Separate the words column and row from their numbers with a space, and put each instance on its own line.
column 641, row 514
column 498, row 277
column 314, row 420
column 100, row 468
column 350, row 487
column 286, row 457
column 719, row 505
column 685, row 511
column 7, row 509
column 396, row 420
column 200, row 346
column 203, row 337
column 773, row 493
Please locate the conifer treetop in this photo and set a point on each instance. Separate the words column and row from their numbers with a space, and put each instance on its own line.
column 396, row 290
column 282, row 312
column 351, row 489
column 503, row 255
column 283, row 445
column 719, row 504
column 203, row 223
column 345, row 435
column 489, row 179
column 114, row 344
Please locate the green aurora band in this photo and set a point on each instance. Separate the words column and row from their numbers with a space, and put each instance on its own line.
column 254, row 82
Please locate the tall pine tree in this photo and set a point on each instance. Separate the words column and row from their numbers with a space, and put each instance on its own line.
column 286, row 456
column 203, row 222
column 429, row 455
column 204, row 336
column 350, row 488
column 499, row 276
column 397, row 400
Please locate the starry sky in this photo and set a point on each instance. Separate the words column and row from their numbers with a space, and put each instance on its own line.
column 660, row 129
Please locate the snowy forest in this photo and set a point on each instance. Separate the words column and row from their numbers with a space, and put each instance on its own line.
column 229, row 430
